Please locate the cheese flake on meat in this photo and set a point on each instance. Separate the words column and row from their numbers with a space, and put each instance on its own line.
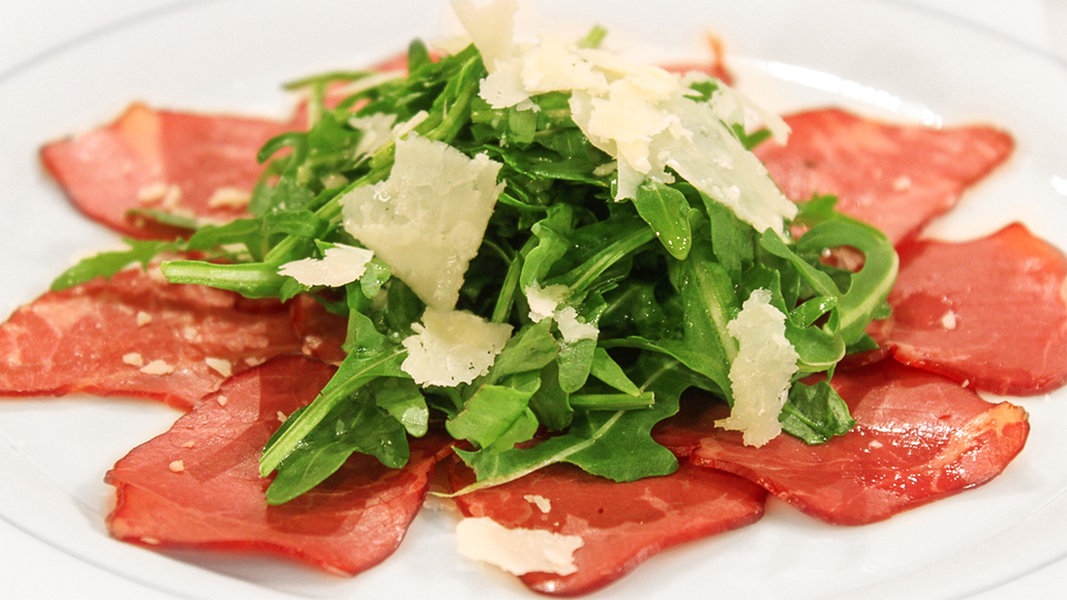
column 451, row 347
column 427, row 220
column 517, row 551
column 339, row 265
column 644, row 116
column 761, row 372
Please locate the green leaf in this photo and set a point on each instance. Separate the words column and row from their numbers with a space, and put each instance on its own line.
column 354, row 372
column 403, row 400
column 815, row 413
column 354, row 426
column 107, row 264
column 498, row 415
column 617, row 445
column 666, row 210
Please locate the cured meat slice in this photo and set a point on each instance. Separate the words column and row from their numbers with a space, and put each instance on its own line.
column 919, row 437
column 192, row 164
column 895, row 177
column 991, row 312
column 621, row 524
column 137, row 335
column 198, row 484
column 322, row 331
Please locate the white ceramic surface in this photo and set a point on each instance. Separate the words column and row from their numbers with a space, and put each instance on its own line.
column 888, row 59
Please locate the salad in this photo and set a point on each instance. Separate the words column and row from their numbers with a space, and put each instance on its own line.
column 551, row 361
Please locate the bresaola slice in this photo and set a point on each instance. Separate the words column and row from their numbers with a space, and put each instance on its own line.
column 180, row 162
column 137, row 335
column 620, row 524
column 198, row 484
column 919, row 437
column 895, row 177
column 991, row 312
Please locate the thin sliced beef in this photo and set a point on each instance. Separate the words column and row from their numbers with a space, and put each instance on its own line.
column 919, row 437
column 322, row 331
column 621, row 524
column 990, row 312
column 198, row 484
column 136, row 335
column 896, row 177
column 179, row 162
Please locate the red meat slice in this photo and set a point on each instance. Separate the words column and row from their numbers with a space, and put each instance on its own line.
column 322, row 331
column 919, row 437
column 895, row 177
column 198, row 484
column 991, row 312
column 622, row 524
column 185, row 163
column 136, row 335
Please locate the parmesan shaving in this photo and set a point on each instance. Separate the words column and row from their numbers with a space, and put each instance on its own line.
column 340, row 264
column 452, row 347
column 762, row 371
column 644, row 116
column 427, row 220
column 517, row 551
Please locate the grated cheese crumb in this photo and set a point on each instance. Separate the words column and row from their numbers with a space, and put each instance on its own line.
column 163, row 194
column 761, row 372
column 949, row 320
column 221, row 400
column 547, row 303
column 543, row 504
column 157, row 367
column 229, row 197
column 134, row 359
column 517, row 551
column 220, row 365
column 176, row 466
column 143, row 318
column 189, row 444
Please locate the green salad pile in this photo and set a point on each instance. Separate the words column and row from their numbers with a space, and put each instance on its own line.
column 516, row 276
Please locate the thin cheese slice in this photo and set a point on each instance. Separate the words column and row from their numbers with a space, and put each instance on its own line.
column 339, row 265
column 427, row 220
column 517, row 551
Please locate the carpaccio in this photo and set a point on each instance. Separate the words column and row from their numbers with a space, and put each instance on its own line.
column 927, row 374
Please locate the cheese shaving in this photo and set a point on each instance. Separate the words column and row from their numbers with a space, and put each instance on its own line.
column 427, row 220
column 761, row 372
column 451, row 347
column 517, row 551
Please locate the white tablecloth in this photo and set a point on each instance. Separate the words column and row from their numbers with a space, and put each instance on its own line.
column 31, row 569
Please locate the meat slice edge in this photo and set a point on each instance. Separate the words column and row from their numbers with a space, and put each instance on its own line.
column 137, row 335
column 919, row 437
column 895, row 177
column 990, row 313
column 621, row 524
column 198, row 484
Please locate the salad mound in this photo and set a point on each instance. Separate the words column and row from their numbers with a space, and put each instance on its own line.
column 540, row 242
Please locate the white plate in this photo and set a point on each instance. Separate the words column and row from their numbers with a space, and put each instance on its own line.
column 881, row 58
